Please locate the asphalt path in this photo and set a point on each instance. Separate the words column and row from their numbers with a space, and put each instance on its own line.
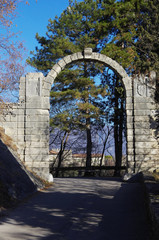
column 80, row 209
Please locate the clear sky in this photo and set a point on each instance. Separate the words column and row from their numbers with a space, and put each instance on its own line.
column 33, row 18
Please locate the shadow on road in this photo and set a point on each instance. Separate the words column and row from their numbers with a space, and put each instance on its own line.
column 81, row 209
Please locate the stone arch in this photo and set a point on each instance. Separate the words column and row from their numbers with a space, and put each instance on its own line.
column 93, row 56
column 27, row 122
column 118, row 69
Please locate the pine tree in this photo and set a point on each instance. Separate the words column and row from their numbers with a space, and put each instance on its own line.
column 73, row 31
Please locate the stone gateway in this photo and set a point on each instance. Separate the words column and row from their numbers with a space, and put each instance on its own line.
column 27, row 122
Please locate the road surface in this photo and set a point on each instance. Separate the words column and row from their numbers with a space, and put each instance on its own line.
column 80, row 209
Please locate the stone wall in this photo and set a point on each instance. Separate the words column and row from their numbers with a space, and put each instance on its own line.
column 27, row 122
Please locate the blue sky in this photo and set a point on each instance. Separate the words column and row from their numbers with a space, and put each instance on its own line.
column 33, row 18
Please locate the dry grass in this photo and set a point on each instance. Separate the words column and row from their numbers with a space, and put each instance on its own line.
column 156, row 176
column 45, row 183
column 7, row 140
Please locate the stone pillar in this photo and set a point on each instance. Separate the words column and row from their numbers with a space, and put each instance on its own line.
column 36, row 125
column 130, row 126
column 145, row 110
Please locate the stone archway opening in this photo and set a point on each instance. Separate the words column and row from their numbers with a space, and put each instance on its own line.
column 77, row 155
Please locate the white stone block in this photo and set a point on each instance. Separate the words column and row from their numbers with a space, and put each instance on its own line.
column 67, row 59
column 57, row 68
column 74, row 57
column 87, row 53
column 62, row 64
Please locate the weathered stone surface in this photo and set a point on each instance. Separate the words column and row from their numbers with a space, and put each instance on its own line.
column 67, row 59
column 57, row 68
column 74, row 57
column 87, row 53
column 62, row 64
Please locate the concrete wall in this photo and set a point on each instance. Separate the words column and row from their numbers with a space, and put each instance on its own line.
column 28, row 121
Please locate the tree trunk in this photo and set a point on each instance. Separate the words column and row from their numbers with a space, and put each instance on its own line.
column 62, row 148
column 120, row 137
column 89, row 146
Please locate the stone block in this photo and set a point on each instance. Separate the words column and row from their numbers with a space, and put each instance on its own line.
column 37, row 144
column 52, row 74
column 46, row 103
column 67, row 59
column 34, row 75
column 37, row 118
column 127, row 83
column 119, row 69
column 46, row 92
column 129, row 119
column 13, row 118
column 140, row 131
column 130, row 151
column 129, row 125
column 36, row 158
column 37, row 164
column 130, row 138
column 57, row 68
column 142, row 118
column 142, row 112
column 142, row 138
column 50, row 80
column 37, row 102
column 62, row 64
column 129, row 106
column 129, row 132
column 143, row 100
column 20, row 138
column 36, row 138
column 130, row 158
column 36, row 151
column 147, row 151
column 47, row 85
column 129, row 100
column 146, row 144
column 20, row 131
column 74, row 57
column 80, row 55
column 35, row 131
column 130, row 144
column 36, row 124
column 20, row 124
column 141, row 125
column 129, row 93
column 87, row 53
column 104, row 59
column 129, row 112
column 144, row 106
column 95, row 56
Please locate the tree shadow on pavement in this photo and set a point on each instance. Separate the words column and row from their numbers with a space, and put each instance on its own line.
column 108, row 211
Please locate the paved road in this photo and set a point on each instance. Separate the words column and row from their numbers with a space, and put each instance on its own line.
column 80, row 209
